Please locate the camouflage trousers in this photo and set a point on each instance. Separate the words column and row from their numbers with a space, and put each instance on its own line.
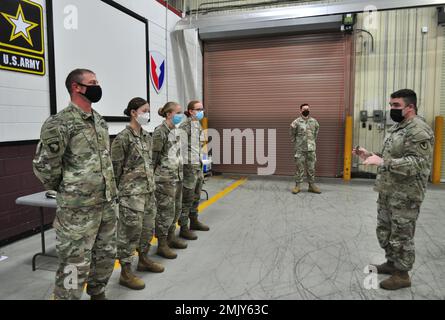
column 305, row 161
column 86, row 247
column 396, row 225
column 135, row 226
column 191, row 193
column 169, row 202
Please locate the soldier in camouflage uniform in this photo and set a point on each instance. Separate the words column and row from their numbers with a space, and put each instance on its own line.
column 403, row 170
column 167, row 163
column 304, row 132
column 131, row 153
column 193, row 172
column 73, row 158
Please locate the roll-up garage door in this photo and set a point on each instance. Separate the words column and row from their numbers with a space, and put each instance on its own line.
column 260, row 84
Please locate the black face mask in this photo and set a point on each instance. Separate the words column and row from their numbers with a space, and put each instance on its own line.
column 93, row 92
column 396, row 115
column 305, row 113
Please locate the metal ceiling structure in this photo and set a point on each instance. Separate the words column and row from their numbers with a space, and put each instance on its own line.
column 231, row 21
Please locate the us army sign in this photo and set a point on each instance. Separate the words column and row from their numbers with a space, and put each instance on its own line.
column 21, row 37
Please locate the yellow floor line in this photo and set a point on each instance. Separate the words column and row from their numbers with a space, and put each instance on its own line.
column 221, row 194
column 203, row 206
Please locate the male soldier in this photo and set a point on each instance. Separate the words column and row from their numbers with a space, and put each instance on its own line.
column 73, row 158
column 304, row 132
column 403, row 170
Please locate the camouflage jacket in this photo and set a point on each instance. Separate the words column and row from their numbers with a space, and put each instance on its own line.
column 73, row 158
column 131, row 154
column 407, row 154
column 304, row 134
column 167, row 160
column 191, row 136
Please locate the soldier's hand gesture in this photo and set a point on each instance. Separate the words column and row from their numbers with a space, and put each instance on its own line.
column 361, row 152
column 373, row 160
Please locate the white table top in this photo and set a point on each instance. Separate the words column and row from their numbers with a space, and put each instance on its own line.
column 37, row 200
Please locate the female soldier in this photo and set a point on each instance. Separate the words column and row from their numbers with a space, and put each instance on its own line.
column 132, row 162
column 167, row 164
column 193, row 174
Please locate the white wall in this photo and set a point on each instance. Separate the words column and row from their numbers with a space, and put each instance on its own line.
column 182, row 55
column 24, row 99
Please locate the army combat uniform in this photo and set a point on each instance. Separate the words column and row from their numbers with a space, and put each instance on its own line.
column 304, row 134
column 401, row 184
column 73, row 158
column 168, row 170
column 193, row 172
column 132, row 161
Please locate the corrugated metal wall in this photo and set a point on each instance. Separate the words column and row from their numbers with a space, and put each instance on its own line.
column 403, row 57
column 442, row 100
column 260, row 84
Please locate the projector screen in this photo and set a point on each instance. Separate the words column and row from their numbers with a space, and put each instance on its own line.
column 108, row 39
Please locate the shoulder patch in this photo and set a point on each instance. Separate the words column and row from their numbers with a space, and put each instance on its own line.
column 54, row 147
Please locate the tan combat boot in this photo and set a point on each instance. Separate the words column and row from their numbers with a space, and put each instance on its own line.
column 195, row 224
column 164, row 250
column 128, row 278
column 385, row 268
column 175, row 242
column 146, row 264
column 398, row 280
column 313, row 188
column 296, row 189
column 186, row 233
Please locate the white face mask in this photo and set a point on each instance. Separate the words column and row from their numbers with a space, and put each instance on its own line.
column 143, row 118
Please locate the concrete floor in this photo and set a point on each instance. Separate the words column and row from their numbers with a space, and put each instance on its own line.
column 266, row 243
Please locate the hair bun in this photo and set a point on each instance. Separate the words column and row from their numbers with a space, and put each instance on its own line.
column 126, row 112
column 161, row 112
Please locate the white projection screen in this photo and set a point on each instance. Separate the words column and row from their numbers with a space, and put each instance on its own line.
column 108, row 39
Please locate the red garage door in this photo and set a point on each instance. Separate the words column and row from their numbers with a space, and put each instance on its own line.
column 260, row 84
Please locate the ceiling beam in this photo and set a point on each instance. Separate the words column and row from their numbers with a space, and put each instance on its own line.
column 211, row 20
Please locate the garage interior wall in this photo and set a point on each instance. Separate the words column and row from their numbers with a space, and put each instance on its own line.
column 261, row 83
column 403, row 57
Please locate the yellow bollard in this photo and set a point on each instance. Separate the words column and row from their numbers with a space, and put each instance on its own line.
column 205, row 123
column 348, row 149
column 205, row 126
column 437, row 157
